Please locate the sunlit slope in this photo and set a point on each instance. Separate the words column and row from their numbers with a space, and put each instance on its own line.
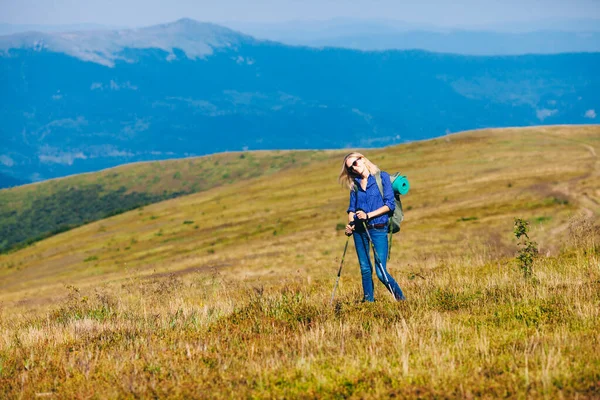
column 466, row 190
column 31, row 212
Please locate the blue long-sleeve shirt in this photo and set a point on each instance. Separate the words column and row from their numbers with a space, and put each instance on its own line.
column 370, row 199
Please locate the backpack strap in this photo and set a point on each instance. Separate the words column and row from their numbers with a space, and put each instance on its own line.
column 380, row 186
column 379, row 183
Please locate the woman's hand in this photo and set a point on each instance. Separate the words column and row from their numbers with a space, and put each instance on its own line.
column 349, row 229
column 360, row 214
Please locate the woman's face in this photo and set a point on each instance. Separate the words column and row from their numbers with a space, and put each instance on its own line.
column 355, row 165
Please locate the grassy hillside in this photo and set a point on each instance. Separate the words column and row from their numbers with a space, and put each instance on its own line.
column 226, row 292
column 33, row 212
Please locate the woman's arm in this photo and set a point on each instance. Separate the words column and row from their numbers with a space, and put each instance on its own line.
column 351, row 212
column 375, row 213
column 351, row 216
column 352, row 205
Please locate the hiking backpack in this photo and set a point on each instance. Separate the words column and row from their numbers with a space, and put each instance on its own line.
column 401, row 186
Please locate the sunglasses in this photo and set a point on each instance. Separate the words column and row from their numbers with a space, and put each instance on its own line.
column 354, row 164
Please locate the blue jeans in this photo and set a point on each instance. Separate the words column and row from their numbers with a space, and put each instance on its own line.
column 363, row 247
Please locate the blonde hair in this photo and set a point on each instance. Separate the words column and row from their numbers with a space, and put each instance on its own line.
column 346, row 179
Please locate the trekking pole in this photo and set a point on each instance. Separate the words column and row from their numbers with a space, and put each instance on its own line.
column 378, row 261
column 340, row 270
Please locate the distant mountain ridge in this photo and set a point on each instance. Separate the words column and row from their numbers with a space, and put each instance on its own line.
column 189, row 88
column 10, row 29
column 536, row 37
column 99, row 43
column 461, row 42
column 7, row 181
column 106, row 46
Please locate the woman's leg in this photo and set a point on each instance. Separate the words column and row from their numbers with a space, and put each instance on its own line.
column 380, row 239
column 361, row 243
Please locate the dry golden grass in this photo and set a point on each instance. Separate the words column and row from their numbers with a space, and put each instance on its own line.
column 226, row 293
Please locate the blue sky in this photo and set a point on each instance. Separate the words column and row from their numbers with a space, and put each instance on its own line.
column 450, row 13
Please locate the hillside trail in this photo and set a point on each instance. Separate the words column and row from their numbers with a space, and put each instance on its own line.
column 588, row 202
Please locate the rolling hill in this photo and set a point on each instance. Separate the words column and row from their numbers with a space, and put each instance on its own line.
column 31, row 212
column 227, row 291
column 466, row 190
column 188, row 88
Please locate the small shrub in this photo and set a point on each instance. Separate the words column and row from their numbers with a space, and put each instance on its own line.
column 527, row 248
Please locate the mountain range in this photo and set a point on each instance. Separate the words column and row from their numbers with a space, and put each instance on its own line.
column 82, row 101
column 546, row 36
column 536, row 37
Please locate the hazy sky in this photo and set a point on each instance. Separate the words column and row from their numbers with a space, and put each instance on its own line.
column 435, row 12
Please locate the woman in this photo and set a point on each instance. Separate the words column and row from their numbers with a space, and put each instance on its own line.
column 368, row 207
